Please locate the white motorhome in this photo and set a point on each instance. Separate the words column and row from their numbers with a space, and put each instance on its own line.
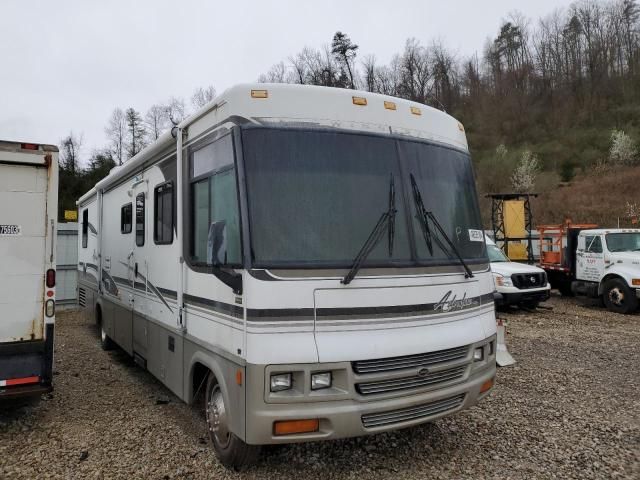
column 310, row 259
column 28, row 209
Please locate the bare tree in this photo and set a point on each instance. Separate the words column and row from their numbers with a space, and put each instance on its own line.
column 176, row 110
column 116, row 131
column 156, row 120
column 202, row 96
column 70, row 152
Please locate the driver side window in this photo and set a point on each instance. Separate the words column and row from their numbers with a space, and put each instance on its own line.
column 594, row 244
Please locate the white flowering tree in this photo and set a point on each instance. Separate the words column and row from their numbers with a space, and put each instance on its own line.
column 524, row 176
column 623, row 150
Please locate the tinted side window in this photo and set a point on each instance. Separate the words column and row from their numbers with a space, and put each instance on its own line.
column 140, row 219
column 126, row 218
column 214, row 198
column 85, row 227
column 163, row 214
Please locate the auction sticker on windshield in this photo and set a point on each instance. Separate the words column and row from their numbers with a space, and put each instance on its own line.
column 476, row 235
column 10, row 230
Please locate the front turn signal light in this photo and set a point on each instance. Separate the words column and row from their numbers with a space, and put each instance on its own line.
column 291, row 427
column 486, row 386
column 635, row 282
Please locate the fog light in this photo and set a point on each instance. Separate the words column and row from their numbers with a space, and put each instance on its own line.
column 50, row 308
column 280, row 382
column 320, row 380
column 478, row 354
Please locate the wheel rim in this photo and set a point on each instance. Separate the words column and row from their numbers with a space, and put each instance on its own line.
column 616, row 296
column 217, row 419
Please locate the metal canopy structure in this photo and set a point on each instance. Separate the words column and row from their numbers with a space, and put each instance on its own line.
column 512, row 222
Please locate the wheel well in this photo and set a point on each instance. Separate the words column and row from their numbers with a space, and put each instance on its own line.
column 606, row 278
column 98, row 314
column 199, row 376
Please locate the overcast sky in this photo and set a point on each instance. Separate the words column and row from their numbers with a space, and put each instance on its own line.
column 66, row 64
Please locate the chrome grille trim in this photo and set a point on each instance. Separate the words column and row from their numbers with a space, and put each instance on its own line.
column 410, row 361
column 426, row 410
column 412, row 382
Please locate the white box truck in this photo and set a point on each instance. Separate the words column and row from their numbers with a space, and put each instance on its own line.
column 28, row 209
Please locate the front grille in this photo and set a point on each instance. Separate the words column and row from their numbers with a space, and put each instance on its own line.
column 412, row 382
column 81, row 297
column 410, row 361
column 423, row 411
column 529, row 280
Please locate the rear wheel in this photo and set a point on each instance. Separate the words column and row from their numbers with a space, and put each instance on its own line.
column 618, row 297
column 231, row 451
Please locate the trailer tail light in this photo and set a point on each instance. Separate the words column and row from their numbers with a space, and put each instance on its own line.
column 50, row 308
column 51, row 278
column 29, row 146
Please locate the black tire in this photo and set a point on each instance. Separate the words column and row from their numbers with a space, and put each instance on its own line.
column 105, row 342
column 564, row 287
column 618, row 297
column 230, row 450
column 532, row 305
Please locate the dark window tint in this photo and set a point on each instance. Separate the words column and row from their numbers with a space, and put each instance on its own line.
column 140, row 219
column 163, row 216
column 215, row 199
column 126, row 218
column 85, row 228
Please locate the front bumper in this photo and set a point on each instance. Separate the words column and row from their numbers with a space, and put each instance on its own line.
column 356, row 415
column 522, row 296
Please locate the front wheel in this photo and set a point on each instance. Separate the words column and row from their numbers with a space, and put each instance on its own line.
column 618, row 297
column 231, row 451
column 105, row 342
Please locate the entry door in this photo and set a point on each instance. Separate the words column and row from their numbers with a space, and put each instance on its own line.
column 138, row 272
column 591, row 260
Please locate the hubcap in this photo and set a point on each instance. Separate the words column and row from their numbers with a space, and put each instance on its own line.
column 217, row 420
column 616, row 296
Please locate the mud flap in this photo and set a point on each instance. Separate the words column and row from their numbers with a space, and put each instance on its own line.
column 503, row 357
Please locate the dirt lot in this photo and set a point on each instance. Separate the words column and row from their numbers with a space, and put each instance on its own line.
column 570, row 408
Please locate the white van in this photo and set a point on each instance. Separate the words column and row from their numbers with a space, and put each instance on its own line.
column 516, row 283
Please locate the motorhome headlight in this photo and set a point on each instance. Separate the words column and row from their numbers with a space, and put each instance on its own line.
column 50, row 308
column 320, row 380
column 280, row 382
column 502, row 281
column 478, row 354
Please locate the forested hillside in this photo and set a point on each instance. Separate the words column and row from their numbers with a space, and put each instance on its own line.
column 550, row 105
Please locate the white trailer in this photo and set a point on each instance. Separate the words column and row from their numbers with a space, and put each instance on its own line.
column 28, row 209
column 309, row 259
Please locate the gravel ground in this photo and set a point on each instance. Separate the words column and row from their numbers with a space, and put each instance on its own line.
column 570, row 408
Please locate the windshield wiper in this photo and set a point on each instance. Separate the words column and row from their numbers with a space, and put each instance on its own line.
column 424, row 216
column 387, row 219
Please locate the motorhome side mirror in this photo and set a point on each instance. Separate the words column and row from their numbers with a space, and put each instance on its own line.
column 217, row 244
column 217, row 257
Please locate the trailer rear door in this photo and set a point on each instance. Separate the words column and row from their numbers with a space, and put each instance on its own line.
column 23, row 204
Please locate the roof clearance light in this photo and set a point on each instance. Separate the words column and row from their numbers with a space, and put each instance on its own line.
column 359, row 101
column 416, row 111
column 259, row 94
column 389, row 105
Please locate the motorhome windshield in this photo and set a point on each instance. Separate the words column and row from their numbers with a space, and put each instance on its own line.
column 623, row 242
column 315, row 196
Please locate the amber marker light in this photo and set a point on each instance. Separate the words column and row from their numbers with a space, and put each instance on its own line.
column 291, row 427
column 359, row 101
column 259, row 94
column 389, row 105
column 486, row 386
column 416, row 111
